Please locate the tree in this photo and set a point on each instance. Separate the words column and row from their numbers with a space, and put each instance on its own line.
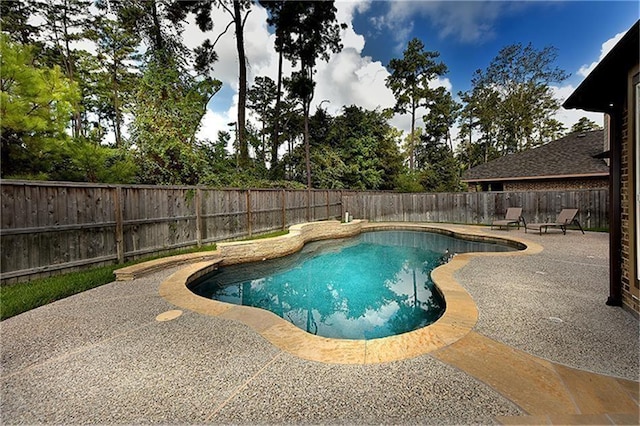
column 158, row 22
column 236, row 13
column 14, row 21
column 172, row 95
column 479, row 115
column 36, row 105
column 220, row 166
column 440, row 171
column 519, row 77
column 584, row 125
column 281, row 18
column 114, row 80
column 440, row 118
column 291, row 125
column 261, row 97
column 65, row 22
column 409, row 82
column 86, row 160
column 550, row 130
column 314, row 33
column 206, row 54
column 168, row 111
column 357, row 150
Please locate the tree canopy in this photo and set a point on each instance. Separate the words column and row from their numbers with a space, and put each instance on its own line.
column 410, row 83
column 511, row 104
column 129, row 108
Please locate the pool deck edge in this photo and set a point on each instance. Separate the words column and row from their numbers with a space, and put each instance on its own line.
column 458, row 320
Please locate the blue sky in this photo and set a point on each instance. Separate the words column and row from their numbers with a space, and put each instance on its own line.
column 467, row 34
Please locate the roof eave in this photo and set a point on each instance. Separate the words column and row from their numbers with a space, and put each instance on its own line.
column 529, row 178
column 599, row 91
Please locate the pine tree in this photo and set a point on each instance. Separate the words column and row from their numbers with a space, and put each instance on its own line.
column 36, row 105
column 409, row 82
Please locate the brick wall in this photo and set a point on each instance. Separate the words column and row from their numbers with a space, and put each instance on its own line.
column 558, row 184
column 628, row 291
column 548, row 185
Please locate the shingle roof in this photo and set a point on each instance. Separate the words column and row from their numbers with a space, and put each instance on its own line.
column 572, row 155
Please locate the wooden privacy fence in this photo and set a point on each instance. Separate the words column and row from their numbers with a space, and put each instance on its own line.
column 53, row 226
column 480, row 208
column 49, row 227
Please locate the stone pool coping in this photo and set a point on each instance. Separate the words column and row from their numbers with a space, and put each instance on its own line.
column 459, row 318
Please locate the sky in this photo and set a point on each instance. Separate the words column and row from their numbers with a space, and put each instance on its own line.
column 467, row 34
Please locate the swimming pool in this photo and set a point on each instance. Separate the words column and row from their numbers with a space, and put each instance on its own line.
column 373, row 285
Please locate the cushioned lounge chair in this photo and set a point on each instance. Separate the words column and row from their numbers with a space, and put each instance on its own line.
column 513, row 217
column 566, row 218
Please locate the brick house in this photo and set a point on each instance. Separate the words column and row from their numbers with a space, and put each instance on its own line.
column 613, row 88
column 571, row 162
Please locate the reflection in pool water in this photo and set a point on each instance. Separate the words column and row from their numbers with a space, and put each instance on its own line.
column 374, row 285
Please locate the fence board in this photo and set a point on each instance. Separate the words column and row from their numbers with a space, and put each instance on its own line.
column 480, row 208
column 54, row 226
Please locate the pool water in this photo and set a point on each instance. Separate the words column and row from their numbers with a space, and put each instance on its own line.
column 374, row 285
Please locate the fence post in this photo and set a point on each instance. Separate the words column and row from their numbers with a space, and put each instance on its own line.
column 118, row 205
column 308, row 205
column 198, row 206
column 249, row 211
column 284, row 209
column 328, row 212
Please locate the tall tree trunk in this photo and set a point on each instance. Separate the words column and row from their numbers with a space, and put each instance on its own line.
column 242, row 86
column 470, row 139
column 157, row 33
column 263, row 154
column 117, row 122
column 275, row 174
column 68, row 61
column 306, row 142
column 412, row 136
column 306, row 105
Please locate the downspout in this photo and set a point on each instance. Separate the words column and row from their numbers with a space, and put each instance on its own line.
column 615, row 208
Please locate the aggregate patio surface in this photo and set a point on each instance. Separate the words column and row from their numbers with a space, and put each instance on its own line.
column 545, row 350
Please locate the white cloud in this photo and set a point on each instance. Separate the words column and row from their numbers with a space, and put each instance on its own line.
column 467, row 22
column 585, row 70
column 348, row 78
column 261, row 60
column 569, row 117
column 213, row 122
column 258, row 43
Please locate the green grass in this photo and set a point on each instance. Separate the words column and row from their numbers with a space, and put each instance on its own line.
column 21, row 297
column 596, row 229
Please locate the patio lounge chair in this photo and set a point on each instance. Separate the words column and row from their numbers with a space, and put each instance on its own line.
column 566, row 218
column 513, row 217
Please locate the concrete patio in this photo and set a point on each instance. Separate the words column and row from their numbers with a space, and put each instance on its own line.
column 545, row 350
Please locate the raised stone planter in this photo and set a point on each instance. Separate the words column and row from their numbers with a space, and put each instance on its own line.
column 252, row 250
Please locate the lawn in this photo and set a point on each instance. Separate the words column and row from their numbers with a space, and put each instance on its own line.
column 21, row 297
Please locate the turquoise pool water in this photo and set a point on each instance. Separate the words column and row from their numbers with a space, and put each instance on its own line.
column 374, row 285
